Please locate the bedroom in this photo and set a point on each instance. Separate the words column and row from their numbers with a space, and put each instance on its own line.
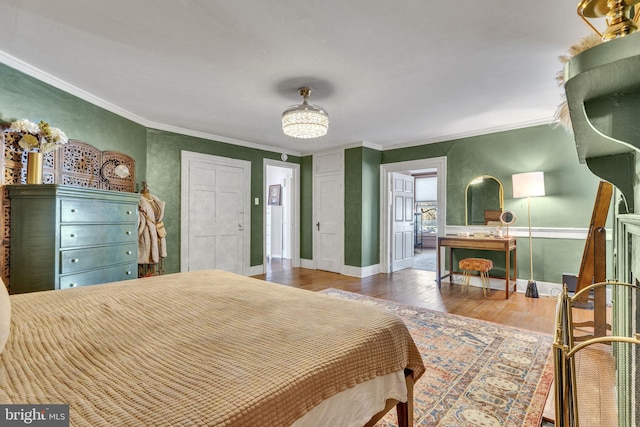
column 30, row 92
column 571, row 185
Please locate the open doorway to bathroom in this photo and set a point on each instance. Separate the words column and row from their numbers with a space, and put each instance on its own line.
column 281, row 224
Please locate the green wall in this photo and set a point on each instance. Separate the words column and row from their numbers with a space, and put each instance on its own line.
column 306, row 207
column 570, row 188
column 157, row 153
column 353, row 213
column 371, row 160
column 163, row 177
column 24, row 97
column 362, row 206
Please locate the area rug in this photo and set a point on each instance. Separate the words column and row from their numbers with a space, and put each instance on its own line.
column 478, row 373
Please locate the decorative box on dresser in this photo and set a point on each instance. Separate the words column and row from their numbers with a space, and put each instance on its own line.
column 63, row 237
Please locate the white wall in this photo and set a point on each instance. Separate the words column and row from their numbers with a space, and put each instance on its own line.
column 279, row 234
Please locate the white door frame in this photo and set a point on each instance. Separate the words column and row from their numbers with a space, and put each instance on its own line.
column 186, row 158
column 438, row 163
column 294, row 210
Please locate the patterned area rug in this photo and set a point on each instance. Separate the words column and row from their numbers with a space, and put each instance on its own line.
column 478, row 373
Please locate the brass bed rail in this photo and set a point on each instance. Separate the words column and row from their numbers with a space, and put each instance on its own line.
column 596, row 380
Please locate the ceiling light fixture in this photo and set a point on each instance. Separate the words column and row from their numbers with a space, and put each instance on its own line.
column 305, row 120
column 617, row 12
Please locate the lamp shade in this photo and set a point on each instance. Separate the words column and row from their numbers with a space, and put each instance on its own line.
column 530, row 184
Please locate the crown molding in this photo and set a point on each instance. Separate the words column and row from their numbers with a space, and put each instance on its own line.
column 58, row 83
column 472, row 133
column 345, row 147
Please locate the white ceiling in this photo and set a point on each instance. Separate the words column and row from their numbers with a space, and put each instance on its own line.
column 390, row 73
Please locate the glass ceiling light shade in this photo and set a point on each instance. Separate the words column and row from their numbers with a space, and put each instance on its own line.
column 305, row 120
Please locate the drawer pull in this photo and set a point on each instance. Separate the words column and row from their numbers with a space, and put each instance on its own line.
column 128, row 272
column 74, row 260
column 73, row 285
column 129, row 212
column 74, row 210
column 128, row 232
column 128, row 252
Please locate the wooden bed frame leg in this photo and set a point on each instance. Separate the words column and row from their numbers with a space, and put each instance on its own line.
column 405, row 410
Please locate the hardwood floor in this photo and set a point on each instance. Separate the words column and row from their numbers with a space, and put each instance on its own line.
column 418, row 288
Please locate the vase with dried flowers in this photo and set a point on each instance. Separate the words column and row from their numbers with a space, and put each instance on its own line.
column 36, row 139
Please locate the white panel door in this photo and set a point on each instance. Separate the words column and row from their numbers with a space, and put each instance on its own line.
column 328, row 207
column 216, row 215
column 402, row 221
column 327, row 227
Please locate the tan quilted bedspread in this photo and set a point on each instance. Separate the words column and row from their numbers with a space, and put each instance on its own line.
column 197, row 348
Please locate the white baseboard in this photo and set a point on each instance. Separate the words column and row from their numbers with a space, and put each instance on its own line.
column 544, row 288
column 307, row 263
column 361, row 272
column 254, row 270
column 347, row 270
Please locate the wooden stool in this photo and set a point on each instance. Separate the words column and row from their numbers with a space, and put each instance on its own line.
column 475, row 264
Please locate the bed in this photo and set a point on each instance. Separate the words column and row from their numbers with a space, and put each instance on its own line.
column 205, row 348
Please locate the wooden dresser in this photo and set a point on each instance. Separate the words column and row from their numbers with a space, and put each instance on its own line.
column 63, row 237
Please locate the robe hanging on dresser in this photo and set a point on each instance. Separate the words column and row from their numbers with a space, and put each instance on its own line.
column 151, row 232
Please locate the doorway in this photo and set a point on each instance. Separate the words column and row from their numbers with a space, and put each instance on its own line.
column 426, row 227
column 281, row 216
column 425, row 214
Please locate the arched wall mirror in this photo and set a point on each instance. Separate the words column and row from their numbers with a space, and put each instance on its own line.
column 483, row 200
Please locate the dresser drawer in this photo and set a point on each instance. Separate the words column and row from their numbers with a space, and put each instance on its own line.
column 98, row 234
column 96, row 211
column 75, row 260
column 103, row 275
